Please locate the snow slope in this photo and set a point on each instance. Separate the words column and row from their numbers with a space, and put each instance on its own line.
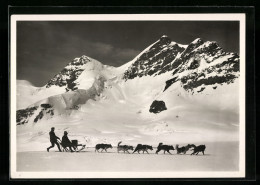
column 24, row 93
column 98, row 103
column 217, row 158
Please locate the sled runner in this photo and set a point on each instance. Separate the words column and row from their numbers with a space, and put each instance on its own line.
column 74, row 145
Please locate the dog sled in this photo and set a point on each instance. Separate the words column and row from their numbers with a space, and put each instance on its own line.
column 74, row 144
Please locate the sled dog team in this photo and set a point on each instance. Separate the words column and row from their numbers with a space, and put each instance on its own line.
column 65, row 143
column 145, row 148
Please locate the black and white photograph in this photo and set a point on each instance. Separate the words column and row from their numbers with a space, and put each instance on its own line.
column 127, row 96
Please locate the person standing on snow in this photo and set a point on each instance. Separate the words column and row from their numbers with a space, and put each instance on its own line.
column 53, row 140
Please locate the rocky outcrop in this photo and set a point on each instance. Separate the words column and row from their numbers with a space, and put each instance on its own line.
column 23, row 115
column 198, row 64
column 157, row 107
column 36, row 112
column 207, row 64
column 156, row 60
column 67, row 77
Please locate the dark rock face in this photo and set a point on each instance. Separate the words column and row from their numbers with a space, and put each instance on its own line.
column 38, row 117
column 69, row 74
column 202, row 89
column 156, row 60
column 23, row 115
column 46, row 106
column 222, row 67
column 229, row 78
column 157, row 107
column 169, row 83
column 204, row 63
column 46, row 109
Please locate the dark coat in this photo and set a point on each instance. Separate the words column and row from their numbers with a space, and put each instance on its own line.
column 53, row 137
column 65, row 140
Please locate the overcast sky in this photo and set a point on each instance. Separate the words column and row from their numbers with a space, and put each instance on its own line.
column 44, row 48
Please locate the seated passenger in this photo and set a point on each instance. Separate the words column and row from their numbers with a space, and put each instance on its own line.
column 66, row 142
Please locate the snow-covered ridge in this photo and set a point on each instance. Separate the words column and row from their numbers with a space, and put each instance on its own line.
column 70, row 73
column 125, row 66
column 60, row 104
column 206, row 64
column 199, row 62
column 156, row 59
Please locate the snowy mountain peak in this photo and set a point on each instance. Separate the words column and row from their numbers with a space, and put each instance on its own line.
column 197, row 40
column 165, row 39
column 80, row 61
column 156, row 59
column 70, row 73
column 198, row 64
column 204, row 64
column 164, row 36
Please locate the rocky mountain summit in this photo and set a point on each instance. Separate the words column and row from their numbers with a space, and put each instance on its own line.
column 157, row 60
column 70, row 73
column 195, row 65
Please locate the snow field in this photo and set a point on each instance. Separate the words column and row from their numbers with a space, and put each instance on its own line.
column 219, row 156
